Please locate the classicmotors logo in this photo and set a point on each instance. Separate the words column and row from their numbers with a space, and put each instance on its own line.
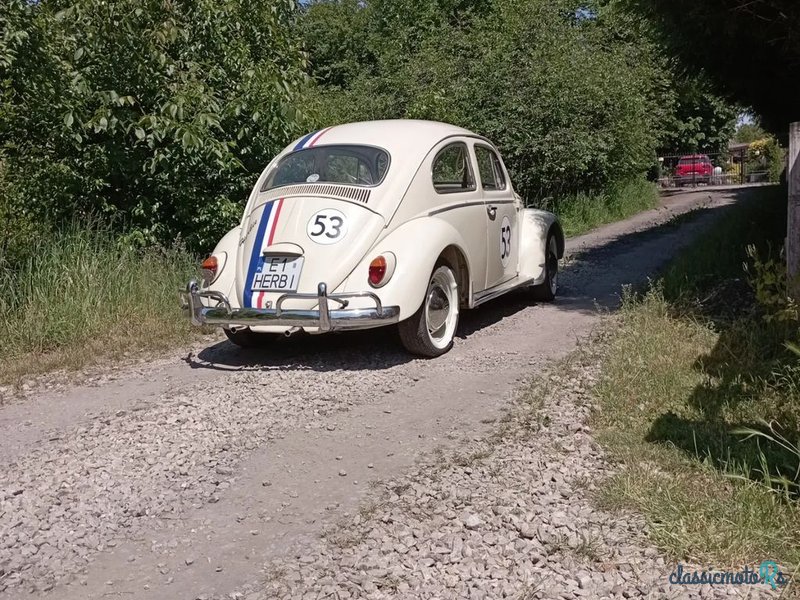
column 768, row 573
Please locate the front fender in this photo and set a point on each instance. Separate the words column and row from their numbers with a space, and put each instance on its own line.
column 417, row 245
column 536, row 226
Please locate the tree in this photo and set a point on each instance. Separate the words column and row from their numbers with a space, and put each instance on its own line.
column 700, row 120
column 157, row 114
column 570, row 106
column 749, row 132
column 749, row 50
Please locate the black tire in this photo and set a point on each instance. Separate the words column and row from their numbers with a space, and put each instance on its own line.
column 548, row 289
column 441, row 295
column 246, row 338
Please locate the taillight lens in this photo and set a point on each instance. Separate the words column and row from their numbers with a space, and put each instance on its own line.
column 377, row 271
column 209, row 269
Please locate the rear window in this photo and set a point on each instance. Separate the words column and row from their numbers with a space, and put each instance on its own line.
column 346, row 164
column 694, row 161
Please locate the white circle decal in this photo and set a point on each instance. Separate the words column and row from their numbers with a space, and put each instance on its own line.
column 327, row 226
column 505, row 241
column 313, row 178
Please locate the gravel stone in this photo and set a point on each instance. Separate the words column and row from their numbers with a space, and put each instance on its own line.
column 510, row 525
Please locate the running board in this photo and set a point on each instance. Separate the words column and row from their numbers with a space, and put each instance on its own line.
column 501, row 289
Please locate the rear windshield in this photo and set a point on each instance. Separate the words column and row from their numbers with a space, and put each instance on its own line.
column 690, row 161
column 351, row 165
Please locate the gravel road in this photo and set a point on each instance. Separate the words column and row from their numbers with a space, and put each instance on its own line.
column 182, row 477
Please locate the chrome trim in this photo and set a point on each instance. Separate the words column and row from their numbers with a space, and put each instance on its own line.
column 438, row 211
column 323, row 318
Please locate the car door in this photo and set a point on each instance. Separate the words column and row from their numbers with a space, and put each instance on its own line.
column 459, row 202
column 501, row 213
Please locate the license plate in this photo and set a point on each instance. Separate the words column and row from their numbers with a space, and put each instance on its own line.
column 277, row 274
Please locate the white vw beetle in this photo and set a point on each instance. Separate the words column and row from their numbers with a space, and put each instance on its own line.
column 372, row 224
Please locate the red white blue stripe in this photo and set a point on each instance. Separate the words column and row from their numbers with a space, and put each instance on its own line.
column 311, row 139
column 265, row 236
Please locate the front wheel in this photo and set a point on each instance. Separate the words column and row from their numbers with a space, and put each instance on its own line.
column 430, row 331
column 547, row 290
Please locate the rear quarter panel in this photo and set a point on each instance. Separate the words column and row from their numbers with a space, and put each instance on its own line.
column 416, row 244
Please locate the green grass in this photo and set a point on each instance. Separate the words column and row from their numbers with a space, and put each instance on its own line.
column 582, row 212
column 690, row 364
column 83, row 295
column 760, row 220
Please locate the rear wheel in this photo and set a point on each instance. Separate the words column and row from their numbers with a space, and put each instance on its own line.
column 430, row 331
column 547, row 290
column 246, row 338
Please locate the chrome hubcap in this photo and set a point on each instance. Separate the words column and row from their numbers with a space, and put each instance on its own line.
column 441, row 307
column 438, row 308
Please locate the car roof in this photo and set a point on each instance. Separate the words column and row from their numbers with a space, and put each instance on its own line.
column 399, row 137
column 408, row 142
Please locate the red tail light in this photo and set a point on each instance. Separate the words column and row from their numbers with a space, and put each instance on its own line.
column 377, row 271
column 209, row 269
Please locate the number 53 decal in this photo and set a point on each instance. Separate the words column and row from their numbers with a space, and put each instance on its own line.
column 327, row 226
column 505, row 241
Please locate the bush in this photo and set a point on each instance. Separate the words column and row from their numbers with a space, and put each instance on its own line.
column 571, row 105
column 157, row 114
column 584, row 211
column 767, row 155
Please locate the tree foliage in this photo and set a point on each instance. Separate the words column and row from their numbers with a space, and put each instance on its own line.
column 700, row 121
column 157, row 113
column 750, row 50
column 568, row 109
column 577, row 95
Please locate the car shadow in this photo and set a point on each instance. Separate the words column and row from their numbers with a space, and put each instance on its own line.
column 592, row 280
column 347, row 350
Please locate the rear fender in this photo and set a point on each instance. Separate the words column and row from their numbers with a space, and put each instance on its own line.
column 416, row 245
column 536, row 225
column 226, row 251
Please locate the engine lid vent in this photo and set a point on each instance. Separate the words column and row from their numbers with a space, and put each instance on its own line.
column 340, row 192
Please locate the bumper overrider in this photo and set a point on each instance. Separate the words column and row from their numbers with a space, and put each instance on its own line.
column 323, row 318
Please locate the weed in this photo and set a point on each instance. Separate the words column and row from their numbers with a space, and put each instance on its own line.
column 82, row 294
column 690, row 396
column 581, row 212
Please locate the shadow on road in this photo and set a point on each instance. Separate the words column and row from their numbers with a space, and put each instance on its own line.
column 590, row 281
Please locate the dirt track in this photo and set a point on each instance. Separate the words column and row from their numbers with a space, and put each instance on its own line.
column 180, row 477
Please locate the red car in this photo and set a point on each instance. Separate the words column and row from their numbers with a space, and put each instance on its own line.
column 693, row 168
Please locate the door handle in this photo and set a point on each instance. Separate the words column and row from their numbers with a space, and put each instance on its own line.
column 492, row 211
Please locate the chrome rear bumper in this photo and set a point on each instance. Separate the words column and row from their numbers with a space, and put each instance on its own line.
column 323, row 318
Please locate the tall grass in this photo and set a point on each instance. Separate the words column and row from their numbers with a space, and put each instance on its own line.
column 84, row 294
column 581, row 212
column 700, row 399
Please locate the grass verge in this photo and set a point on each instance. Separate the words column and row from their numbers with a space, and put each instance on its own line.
column 83, row 296
column 691, row 363
column 581, row 212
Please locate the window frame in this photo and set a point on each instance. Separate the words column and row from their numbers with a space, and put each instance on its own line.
column 497, row 167
column 468, row 156
column 286, row 156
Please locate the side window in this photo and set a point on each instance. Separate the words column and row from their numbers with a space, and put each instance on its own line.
column 451, row 170
column 490, row 168
column 486, row 167
column 498, row 169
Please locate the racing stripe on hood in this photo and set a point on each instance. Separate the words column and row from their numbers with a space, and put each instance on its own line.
column 255, row 254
